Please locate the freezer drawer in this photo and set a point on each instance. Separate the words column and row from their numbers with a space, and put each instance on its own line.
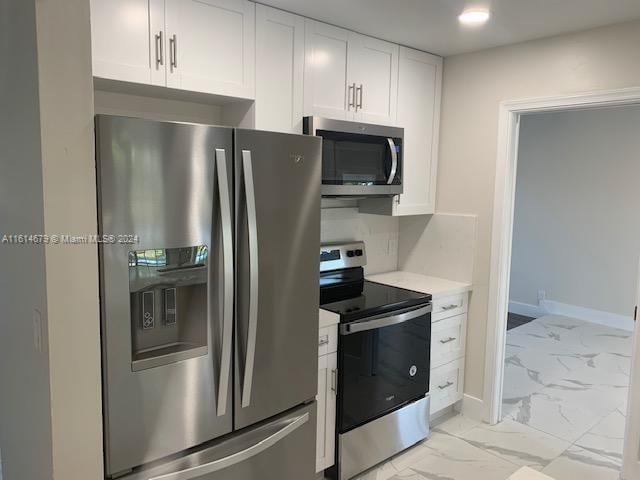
column 283, row 449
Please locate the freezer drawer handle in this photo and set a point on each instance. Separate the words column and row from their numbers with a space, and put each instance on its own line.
column 239, row 457
column 250, row 196
column 383, row 321
column 227, row 305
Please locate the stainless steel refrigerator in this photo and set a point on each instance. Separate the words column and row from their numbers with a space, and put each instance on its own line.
column 210, row 320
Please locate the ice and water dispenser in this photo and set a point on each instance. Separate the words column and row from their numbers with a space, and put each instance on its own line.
column 168, row 298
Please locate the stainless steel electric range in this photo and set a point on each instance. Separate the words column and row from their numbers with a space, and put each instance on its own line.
column 383, row 361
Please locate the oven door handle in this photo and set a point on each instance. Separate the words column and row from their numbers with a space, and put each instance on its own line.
column 394, row 161
column 383, row 321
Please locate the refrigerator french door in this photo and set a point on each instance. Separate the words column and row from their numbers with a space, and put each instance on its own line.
column 209, row 321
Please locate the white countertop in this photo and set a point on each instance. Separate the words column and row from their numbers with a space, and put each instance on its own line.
column 437, row 287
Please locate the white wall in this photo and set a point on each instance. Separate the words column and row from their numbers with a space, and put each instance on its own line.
column 25, row 416
column 576, row 233
column 473, row 87
column 68, row 174
column 154, row 108
column 50, row 413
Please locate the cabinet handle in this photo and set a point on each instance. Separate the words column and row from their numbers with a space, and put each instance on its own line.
column 448, row 340
column 173, row 52
column 351, row 94
column 450, row 307
column 359, row 104
column 334, row 380
column 446, row 385
column 324, row 340
column 159, row 50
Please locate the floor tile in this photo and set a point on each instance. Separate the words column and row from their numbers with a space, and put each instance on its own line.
column 408, row 474
column 517, row 443
column 447, row 457
column 456, row 425
column 607, row 438
column 550, row 413
column 579, row 464
column 382, row 472
column 526, row 473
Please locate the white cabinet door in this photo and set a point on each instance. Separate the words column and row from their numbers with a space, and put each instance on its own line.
column 326, row 429
column 373, row 67
column 419, row 86
column 279, row 70
column 631, row 455
column 325, row 75
column 211, row 46
column 127, row 40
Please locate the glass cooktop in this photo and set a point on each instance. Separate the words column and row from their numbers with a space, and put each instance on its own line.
column 375, row 298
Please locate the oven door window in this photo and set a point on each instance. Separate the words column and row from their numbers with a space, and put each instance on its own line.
column 383, row 369
column 353, row 159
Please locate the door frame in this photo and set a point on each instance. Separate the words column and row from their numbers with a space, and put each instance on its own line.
column 503, row 217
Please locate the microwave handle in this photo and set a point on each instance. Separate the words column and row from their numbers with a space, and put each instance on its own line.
column 394, row 161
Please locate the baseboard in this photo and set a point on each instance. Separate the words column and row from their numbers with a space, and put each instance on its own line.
column 588, row 315
column 472, row 408
column 526, row 309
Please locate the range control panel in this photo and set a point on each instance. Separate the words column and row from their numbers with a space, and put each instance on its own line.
column 336, row 256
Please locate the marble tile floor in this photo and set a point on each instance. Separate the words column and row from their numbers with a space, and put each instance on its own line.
column 566, row 383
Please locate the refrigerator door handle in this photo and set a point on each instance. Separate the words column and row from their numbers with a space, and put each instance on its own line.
column 238, row 457
column 250, row 197
column 227, row 260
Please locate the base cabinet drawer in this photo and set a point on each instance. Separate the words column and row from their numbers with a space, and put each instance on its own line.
column 448, row 340
column 328, row 340
column 446, row 385
column 326, row 428
column 449, row 306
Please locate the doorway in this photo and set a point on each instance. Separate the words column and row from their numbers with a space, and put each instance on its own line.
column 513, row 115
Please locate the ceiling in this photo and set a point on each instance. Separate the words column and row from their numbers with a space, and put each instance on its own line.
column 432, row 25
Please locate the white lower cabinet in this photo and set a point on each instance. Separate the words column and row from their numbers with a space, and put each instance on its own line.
column 446, row 385
column 327, row 390
column 448, row 344
column 448, row 340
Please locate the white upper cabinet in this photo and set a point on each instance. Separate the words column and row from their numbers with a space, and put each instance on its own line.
column 124, row 46
column 419, row 87
column 373, row 68
column 418, row 112
column 202, row 46
column 211, row 46
column 325, row 74
column 349, row 76
column 279, row 70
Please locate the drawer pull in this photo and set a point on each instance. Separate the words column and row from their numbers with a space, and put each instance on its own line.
column 447, row 340
column 446, row 385
column 450, row 307
column 324, row 340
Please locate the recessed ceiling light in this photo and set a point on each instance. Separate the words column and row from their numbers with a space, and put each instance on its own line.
column 474, row 17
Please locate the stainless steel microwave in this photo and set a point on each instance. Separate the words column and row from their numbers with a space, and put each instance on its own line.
column 358, row 159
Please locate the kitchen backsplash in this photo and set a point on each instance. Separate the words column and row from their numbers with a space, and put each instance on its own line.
column 378, row 232
column 440, row 245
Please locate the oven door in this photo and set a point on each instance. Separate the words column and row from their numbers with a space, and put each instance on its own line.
column 383, row 365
